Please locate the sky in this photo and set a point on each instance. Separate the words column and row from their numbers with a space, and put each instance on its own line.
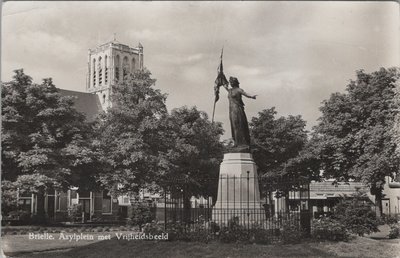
column 293, row 55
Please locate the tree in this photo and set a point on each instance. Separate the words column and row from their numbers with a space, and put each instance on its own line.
column 132, row 136
column 355, row 131
column 277, row 142
column 396, row 125
column 195, row 147
column 195, row 153
column 39, row 130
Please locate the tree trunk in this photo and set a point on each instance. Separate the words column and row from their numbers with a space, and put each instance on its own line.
column 378, row 203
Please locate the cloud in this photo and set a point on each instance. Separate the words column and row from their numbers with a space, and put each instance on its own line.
column 195, row 57
column 292, row 54
column 244, row 70
column 147, row 34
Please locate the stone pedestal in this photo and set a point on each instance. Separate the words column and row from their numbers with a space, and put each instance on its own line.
column 238, row 191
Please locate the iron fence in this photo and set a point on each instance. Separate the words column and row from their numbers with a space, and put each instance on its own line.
column 246, row 202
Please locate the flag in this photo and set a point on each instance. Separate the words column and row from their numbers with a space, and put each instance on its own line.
column 221, row 79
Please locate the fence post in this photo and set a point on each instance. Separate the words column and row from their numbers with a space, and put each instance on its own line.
column 248, row 200
column 234, row 194
column 165, row 210
column 227, row 197
column 220, row 206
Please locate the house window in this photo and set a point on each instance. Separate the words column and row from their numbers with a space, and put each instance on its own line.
column 25, row 201
column 25, row 204
column 126, row 200
column 106, row 207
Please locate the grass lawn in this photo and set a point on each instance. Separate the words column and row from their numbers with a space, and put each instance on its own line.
column 18, row 246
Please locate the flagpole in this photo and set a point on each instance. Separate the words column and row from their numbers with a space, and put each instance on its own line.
column 212, row 121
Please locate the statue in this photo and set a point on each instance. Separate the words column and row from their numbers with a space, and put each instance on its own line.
column 237, row 116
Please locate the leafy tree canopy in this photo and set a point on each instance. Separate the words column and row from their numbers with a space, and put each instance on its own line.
column 132, row 136
column 44, row 139
column 195, row 150
column 277, row 142
column 355, row 132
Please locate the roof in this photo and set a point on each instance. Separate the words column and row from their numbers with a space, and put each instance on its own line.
column 84, row 102
column 394, row 184
column 323, row 190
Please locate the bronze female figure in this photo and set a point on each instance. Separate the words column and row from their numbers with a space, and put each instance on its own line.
column 237, row 116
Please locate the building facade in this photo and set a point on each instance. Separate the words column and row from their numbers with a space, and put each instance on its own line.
column 391, row 196
column 325, row 195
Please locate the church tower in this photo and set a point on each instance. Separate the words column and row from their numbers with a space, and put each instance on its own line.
column 108, row 64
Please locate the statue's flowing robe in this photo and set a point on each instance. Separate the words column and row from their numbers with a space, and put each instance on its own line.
column 237, row 117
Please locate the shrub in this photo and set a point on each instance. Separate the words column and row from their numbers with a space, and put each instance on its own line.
column 356, row 214
column 329, row 229
column 19, row 214
column 74, row 212
column 291, row 233
column 242, row 234
column 388, row 219
column 394, row 231
column 9, row 200
column 141, row 215
column 234, row 232
column 233, row 235
column 179, row 231
column 214, row 227
column 153, row 228
column 259, row 235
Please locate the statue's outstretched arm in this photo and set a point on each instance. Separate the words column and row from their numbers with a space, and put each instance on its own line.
column 248, row 95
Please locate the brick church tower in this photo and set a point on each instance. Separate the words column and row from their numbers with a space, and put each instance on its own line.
column 108, row 64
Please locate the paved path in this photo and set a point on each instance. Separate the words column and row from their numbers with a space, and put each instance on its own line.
column 382, row 234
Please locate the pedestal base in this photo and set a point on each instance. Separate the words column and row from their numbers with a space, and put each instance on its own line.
column 238, row 191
